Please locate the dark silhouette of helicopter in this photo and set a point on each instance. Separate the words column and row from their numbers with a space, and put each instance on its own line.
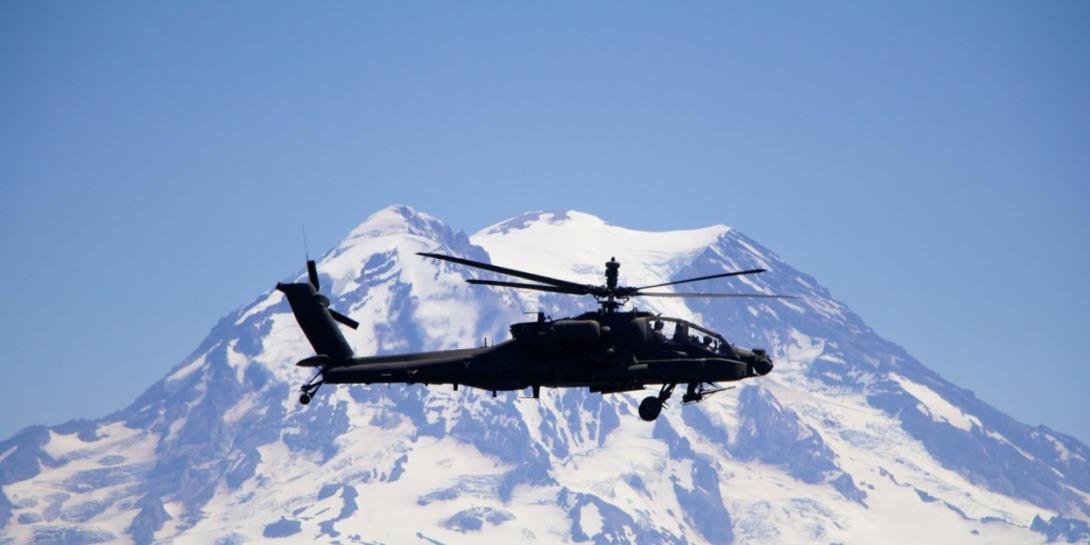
column 607, row 351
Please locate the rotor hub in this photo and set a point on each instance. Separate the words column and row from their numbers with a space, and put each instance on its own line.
column 613, row 268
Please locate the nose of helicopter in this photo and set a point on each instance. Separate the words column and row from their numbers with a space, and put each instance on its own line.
column 762, row 362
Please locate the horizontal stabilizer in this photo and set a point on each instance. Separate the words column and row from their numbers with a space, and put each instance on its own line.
column 314, row 361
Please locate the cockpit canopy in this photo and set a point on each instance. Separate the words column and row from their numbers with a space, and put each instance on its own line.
column 678, row 331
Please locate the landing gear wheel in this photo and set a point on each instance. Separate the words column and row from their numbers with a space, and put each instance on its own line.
column 650, row 408
column 307, row 391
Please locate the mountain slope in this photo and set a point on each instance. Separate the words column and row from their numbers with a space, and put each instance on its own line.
column 849, row 440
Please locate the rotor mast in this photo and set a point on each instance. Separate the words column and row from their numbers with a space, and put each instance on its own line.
column 610, row 303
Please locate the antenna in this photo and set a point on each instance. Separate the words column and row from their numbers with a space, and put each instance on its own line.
column 306, row 250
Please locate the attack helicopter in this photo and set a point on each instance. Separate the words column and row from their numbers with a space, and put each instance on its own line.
column 608, row 350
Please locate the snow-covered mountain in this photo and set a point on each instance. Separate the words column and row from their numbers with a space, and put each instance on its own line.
column 849, row 440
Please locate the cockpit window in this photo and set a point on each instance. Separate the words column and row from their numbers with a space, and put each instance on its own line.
column 665, row 330
column 682, row 332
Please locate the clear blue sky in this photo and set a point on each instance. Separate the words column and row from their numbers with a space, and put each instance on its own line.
column 929, row 162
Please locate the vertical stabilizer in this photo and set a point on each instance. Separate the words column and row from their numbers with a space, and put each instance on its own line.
column 317, row 320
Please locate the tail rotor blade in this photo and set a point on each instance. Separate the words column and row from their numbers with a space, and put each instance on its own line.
column 312, row 272
column 344, row 319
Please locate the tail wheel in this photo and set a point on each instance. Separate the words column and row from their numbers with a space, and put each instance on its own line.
column 307, row 391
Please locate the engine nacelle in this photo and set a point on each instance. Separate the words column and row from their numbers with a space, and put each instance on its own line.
column 558, row 335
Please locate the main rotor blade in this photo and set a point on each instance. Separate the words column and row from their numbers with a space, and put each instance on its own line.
column 504, row 270
column 731, row 295
column 699, row 278
column 344, row 319
column 519, row 285
column 312, row 273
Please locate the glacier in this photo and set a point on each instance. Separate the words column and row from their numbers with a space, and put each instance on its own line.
column 849, row 440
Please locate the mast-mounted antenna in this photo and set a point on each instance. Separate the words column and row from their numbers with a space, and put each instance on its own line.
column 306, row 250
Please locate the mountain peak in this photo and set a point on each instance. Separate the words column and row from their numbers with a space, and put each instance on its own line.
column 397, row 218
column 550, row 217
column 574, row 244
column 396, row 230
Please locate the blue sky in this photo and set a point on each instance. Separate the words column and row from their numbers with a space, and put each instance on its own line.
column 929, row 162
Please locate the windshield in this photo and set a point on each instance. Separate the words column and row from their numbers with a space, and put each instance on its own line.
column 680, row 331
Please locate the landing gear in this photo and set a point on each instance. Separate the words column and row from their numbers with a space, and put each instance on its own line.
column 651, row 406
column 692, row 394
column 308, row 390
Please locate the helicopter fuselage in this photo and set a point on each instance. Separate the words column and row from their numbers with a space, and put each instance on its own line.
column 604, row 351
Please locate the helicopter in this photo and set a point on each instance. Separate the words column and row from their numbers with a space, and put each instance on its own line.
column 608, row 350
